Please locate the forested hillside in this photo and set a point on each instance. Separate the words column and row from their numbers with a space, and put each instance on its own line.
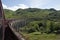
column 36, row 20
column 30, row 13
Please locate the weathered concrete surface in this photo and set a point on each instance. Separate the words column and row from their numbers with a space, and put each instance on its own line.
column 1, row 33
column 9, row 35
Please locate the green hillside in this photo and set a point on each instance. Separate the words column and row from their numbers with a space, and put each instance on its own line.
column 37, row 22
column 29, row 13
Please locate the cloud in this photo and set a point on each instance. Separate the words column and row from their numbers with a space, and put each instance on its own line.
column 45, row 4
column 57, row 7
column 38, row 3
column 22, row 6
column 4, row 6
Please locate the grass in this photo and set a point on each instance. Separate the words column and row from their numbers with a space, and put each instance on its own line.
column 38, row 36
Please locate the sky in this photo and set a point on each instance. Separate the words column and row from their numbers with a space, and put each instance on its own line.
column 23, row 4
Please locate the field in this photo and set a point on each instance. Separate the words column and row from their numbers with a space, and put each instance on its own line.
column 38, row 36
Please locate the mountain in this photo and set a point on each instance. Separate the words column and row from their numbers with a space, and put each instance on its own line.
column 33, row 13
column 8, row 13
